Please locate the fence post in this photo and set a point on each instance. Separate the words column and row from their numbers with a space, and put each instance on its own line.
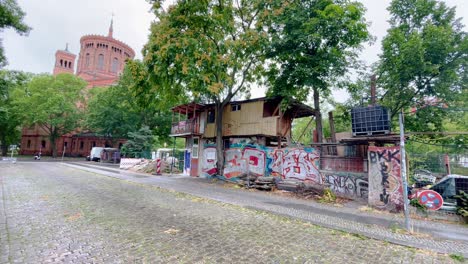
column 403, row 171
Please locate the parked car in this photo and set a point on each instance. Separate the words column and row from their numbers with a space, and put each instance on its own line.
column 95, row 154
column 448, row 187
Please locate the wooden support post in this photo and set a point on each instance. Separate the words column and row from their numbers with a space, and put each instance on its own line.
column 332, row 126
column 305, row 129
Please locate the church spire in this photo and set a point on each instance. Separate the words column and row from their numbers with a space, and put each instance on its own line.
column 111, row 28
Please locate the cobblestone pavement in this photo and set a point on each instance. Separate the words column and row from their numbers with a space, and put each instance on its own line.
column 441, row 237
column 53, row 213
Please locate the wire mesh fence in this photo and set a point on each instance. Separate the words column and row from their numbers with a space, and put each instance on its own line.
column 438, row 180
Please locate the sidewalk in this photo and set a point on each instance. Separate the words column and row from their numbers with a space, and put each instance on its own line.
column 435, row 236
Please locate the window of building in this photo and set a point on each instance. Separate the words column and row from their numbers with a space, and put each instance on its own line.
column 100, row 63
column 65, row 144
column 61, row 63
column 43, row 144
column 235, row 107
column 87, row 62
column 115, row 65
column 195, row 148
column 81, row 145
column 29, row 144
column 211, row 117
column 93, row 144
column 270, row 108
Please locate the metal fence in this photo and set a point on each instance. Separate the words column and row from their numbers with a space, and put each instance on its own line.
column 443, row 170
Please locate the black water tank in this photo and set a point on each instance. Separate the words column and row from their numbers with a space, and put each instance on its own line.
column 372, row 120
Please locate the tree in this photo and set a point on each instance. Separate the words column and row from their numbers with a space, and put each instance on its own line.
column 9, row 118
column 204, row 50
column 424, row 61
column 114, row 111
column 140, row 141
column 313, row 43
column 51, row 102
column 11, row 16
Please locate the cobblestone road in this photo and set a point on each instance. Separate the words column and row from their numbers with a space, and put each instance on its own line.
column 53, row 213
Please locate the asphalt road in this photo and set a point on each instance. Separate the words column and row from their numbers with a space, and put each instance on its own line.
column 53, row 213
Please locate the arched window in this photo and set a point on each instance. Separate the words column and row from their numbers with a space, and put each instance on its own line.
column 115, row 65
column 87, row 60
column 29, row 144
column 61, row 63
column 100, row 65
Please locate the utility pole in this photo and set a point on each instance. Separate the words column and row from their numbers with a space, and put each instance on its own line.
column 403, row 172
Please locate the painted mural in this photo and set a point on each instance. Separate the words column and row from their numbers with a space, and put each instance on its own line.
column 385, row 183
column 345, row 184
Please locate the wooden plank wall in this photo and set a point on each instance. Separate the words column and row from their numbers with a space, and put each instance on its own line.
column 248, row 121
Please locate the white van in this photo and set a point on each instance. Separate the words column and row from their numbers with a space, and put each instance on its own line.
column 95, row 154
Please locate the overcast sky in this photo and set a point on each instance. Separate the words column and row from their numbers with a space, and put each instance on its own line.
column 57, row 22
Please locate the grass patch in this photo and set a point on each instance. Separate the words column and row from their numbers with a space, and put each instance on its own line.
column 457, row 257
column 360, row 236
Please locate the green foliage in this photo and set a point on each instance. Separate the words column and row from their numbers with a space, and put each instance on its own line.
column 462, row 207
column 11, row 16
column 55, row 100
column 313, row 43
column 9, row 117
column 458, row 257
column 139, row 141
column 424, row 61
column 202, row 51
column 415, row 203
column 328, row 196
column 114, row 111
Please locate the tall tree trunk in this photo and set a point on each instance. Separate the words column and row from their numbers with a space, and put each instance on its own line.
column 318, row 115
column 53, row 140
column 219, row 138
column 53, row 146
column 4, row 146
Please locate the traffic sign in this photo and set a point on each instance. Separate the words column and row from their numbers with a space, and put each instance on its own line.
column 431, row 199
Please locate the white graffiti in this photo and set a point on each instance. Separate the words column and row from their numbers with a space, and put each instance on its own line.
column 256, row 160
column 297, row 164
column 209, row 161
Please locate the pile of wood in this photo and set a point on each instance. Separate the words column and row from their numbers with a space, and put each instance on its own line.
column 264, row 183
column 291, row 185
column 253, row 181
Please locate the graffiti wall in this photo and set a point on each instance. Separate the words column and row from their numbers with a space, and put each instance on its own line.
column 245, row 156
column 297, row 163
column 345, row 184
column 385, row 183
column 209, row 160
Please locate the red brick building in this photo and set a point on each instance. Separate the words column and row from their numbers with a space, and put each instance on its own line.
column 100, row 62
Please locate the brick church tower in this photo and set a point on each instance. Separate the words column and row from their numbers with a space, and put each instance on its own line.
column 64, row 61
column 100, row 62
column 102, row 59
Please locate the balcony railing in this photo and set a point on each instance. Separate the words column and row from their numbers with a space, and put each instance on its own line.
column 185, row 127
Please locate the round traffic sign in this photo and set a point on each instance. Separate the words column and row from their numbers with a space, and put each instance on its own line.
column 431, row 199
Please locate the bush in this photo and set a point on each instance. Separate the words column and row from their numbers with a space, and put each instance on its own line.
column 462, row 204
column 418, row 205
